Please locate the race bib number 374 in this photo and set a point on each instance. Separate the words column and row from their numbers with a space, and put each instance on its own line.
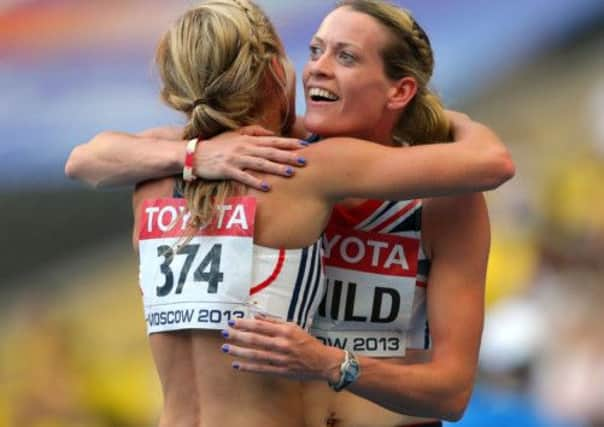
column 195, row 279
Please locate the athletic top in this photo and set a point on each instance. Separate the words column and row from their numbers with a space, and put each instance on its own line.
column 199, row 283
column 288, row 283
column 377, row 275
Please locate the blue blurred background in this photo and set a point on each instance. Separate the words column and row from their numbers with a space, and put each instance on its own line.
column 72, row 347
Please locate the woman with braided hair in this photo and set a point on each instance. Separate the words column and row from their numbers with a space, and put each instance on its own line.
column 196, row 267
column 366, row 79
column 405, row 280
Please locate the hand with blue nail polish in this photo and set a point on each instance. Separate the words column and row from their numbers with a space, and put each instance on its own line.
column 277, row 347
column 235, row 155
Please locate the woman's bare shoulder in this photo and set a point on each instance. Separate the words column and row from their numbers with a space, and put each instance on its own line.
column 449, row 214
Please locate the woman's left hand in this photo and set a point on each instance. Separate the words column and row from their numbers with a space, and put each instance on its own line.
column 270, row 346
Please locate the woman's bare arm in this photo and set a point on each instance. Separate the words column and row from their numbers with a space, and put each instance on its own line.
column 478, row 161
column 458, row 234
column 343, row 167
column 113, row 159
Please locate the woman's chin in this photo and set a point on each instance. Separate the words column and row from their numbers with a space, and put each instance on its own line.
column 319, row 126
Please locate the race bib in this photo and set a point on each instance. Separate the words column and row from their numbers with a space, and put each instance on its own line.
column 195, row 279
column 371, row 279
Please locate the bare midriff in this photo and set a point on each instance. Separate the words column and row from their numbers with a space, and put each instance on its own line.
column 325, row 408
column 201, row 388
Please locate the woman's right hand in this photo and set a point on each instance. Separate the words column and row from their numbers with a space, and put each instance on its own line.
column 232, row 155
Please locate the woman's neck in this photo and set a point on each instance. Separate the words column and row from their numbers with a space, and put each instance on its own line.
column 382, row 135
column 382, row 138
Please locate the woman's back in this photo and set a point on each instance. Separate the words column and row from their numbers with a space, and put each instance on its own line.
column 193, row 371
column 197, row 378
column 223, row 65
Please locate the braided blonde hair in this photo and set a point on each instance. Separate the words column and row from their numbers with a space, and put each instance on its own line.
column 216, row 64
column 408, row 54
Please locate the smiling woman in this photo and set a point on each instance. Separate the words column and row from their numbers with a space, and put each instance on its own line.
column 351, row 76
column 351, row 73
column 367, row 77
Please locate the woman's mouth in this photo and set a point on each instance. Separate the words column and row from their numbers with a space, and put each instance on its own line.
column 322, row 95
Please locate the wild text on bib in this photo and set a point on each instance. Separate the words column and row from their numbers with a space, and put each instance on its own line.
column 371, row 279
column 195, row 279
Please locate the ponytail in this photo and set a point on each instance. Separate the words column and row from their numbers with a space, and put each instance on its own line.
column 214, row 64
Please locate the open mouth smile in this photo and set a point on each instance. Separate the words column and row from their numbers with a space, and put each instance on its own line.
column 322, row 95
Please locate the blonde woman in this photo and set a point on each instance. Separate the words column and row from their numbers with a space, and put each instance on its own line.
column 405, row 280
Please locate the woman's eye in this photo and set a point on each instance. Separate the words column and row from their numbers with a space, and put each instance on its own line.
column 347, row 58
column 315, row 52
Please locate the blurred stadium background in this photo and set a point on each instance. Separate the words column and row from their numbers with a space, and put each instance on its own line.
column 73, row 349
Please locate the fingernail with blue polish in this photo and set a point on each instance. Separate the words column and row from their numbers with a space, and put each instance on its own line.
column 289, row 171
column 231, row 323
column 225, row 333
column 265, row 186
column 225, row 348
column 235, row 365
column 304, row 143
column 301, row 161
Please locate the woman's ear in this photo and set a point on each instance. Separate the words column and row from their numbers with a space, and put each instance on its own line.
column 402, row 92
